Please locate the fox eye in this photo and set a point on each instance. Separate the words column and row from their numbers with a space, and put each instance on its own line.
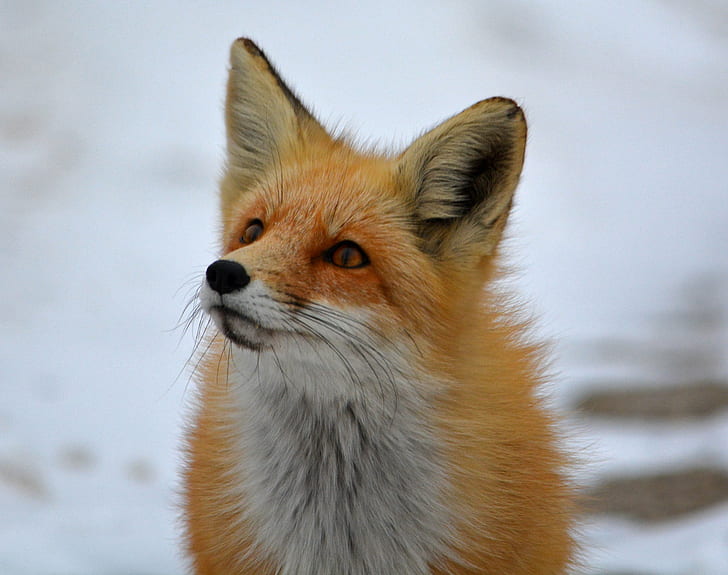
column 348, row 255
column 252, row 232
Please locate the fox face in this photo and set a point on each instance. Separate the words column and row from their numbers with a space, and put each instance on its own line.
column 315, row 262
column 297, row 244
column 328, row 246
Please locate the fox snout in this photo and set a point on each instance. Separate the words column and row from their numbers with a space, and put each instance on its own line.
column 227, row 295
column 226, row 276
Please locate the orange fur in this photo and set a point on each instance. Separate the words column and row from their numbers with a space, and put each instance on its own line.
column 506, row 489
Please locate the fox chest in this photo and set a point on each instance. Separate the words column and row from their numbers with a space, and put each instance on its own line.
column 328, row 491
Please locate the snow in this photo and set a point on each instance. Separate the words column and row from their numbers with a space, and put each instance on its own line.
column 111, row 137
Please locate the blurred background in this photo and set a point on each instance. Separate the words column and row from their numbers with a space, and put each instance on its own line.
column 111, row 138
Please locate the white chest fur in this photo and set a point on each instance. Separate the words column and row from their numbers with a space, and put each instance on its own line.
column 337, row 485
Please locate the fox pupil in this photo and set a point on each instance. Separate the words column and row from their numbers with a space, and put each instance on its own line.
column 252, row 232
column 349, row 255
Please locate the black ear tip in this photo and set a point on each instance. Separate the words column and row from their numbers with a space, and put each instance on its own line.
column 506, row 106
column 514, row 112
column 248, row 45
column 512, row 109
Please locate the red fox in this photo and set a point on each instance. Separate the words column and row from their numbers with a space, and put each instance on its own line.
column 367, row 402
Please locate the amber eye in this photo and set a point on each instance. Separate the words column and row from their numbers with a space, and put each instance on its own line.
column 347, row 254
column 252, row 232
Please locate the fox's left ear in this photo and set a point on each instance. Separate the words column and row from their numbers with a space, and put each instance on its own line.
column 461, row 176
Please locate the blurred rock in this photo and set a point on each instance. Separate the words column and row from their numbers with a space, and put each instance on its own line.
column 660, row 497
column 23, row 477
column 77, row 458
column 690, row 401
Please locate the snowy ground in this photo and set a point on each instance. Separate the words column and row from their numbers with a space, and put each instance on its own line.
column 111, row 139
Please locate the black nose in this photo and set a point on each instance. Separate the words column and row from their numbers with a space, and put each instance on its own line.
column 226, row 276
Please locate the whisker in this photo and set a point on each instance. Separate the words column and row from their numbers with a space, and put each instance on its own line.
column 223, row 354
column 192, row 281
column 194, row 318
column 200, row 355
column 351, row 372
column 357, row 328
column 277, row 361
column 189, row 312
column 359, row 337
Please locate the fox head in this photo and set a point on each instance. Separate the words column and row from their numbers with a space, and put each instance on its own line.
column 325, row 246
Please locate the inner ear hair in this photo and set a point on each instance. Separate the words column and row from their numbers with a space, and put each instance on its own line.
column 462, row 174
column 264, row 119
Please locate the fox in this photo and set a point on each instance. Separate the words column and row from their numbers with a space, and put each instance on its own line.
column 368, row 399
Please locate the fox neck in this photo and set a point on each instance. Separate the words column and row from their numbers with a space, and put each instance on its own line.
column 339, row 483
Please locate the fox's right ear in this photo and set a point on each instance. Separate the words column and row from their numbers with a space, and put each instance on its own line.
column 264, row 119
column 461, row 176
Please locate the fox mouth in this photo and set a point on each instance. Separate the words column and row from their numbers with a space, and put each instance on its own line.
column 239, row 328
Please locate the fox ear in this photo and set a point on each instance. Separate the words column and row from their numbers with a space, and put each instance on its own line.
column 462, row 175
column 264, row 118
